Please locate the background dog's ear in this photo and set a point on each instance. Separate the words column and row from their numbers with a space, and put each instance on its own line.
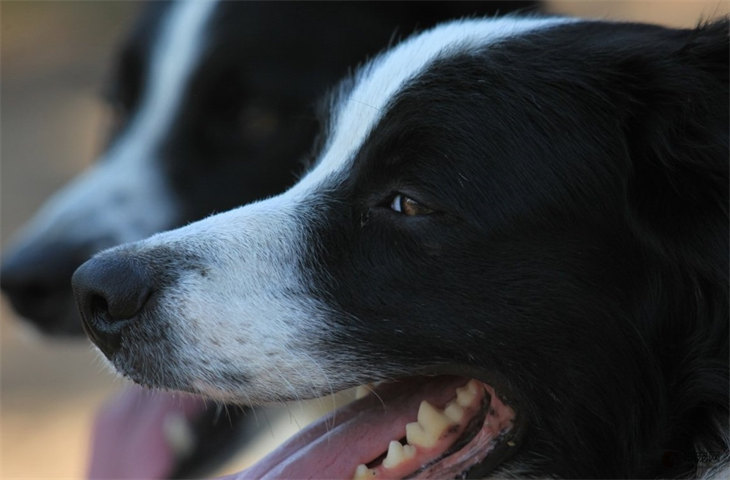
column 677, row 136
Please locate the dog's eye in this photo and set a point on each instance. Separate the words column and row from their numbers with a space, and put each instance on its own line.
column 408, row 206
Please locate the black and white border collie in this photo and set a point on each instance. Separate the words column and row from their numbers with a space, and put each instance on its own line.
column 519, row 226
column 214, row 105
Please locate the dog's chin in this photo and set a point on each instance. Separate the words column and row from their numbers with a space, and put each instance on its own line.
column 419, row 427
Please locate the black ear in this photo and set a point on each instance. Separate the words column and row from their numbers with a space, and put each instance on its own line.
column 677, row 133
column 707, row 49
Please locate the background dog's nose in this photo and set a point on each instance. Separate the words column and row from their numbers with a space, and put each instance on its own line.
column 110, row 291
column 35, row 278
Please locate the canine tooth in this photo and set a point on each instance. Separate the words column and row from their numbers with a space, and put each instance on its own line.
column 465, row 395
column 397, row 453
column 454, row 411
column 431, row 424
column 416, row 435
column 362, row 472
column 432, row 419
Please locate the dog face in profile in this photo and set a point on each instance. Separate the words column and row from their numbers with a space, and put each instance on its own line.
column 521, row 221
column 214, row 107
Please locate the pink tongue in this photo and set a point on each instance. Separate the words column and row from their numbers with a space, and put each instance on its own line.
column 357, row 433
column 129, row 440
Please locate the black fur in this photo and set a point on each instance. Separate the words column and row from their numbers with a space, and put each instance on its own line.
column 579, row 249
column 245, row 123
column 575, row 256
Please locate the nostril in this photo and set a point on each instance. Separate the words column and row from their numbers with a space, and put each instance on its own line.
column 117, row 308
column 98, row 306
column 100, row 327
column 111, row 292
column 99, row 313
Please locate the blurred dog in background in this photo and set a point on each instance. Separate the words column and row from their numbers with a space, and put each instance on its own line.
column 214, row 107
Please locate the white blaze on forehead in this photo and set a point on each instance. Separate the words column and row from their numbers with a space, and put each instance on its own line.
column 276, row 228
column 124, row 196
column 359, row 111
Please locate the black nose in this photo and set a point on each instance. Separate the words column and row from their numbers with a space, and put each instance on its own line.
column 36, row 279
column 111, row 290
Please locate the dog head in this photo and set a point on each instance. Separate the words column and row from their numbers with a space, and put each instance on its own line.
column 213, row 106
column 537, row 204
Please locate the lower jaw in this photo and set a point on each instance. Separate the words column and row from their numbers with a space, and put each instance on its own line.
column 381, row 436
column 467, row 442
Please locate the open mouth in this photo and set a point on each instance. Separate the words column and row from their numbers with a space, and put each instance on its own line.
column 420, row 427
column 423, row 427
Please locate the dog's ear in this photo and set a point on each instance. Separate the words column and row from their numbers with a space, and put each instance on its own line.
column 677, row 136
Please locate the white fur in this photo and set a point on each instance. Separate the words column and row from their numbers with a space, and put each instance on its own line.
column 250, row 308
column 378, row 82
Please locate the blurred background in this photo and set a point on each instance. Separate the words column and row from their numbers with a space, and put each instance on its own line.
column 54, row 59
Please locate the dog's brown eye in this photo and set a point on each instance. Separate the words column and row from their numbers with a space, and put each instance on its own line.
column 408, row 206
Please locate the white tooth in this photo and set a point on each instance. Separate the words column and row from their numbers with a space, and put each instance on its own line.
column 416, row 435
column 409, row 451
column 465, row 395
column 178, row 433
column 432, row 419
column 397, row 453
column 462, row 397
column 454, row 411
column 394, row 456
column 432, row 423
column 362, row 472
column 362, row 391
